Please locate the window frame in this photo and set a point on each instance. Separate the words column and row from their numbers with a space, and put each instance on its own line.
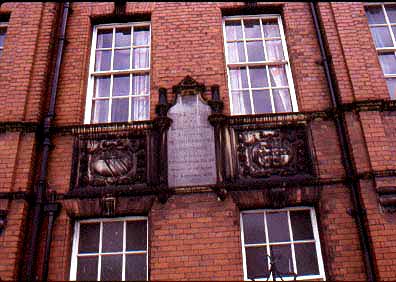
column 3, row 24
column 92, row 73
column 285, row 62
column 76, row 238
column 267, row 244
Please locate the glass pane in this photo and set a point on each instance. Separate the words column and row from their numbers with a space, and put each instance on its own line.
column 140, row 84
column 262, row 101
column 140, row 108
column 241, row 102
column 103, row 60
column 282, row 100
column 102, row 86
column 306, row 259
column 89, row 238
column 141, row 35
column 100, row 111
column 3, row 31
column 274, row 50
column 238, row 78
column 123, row 37
column 394, row 30
column 135, row 267
column 301, row 225
column 136, row 235
column 140, row 58
column 255, row 51
column 233, row 30
column 391, row 12
column 278, row 227
column 388, row 63
column 121, row 85
column 236, row 52
column 252, row 28
column 112, row 233
column 119, row 110
column 87, row 268
column 375, row 15
column 282, row 257
column 111, row 269
column 121, row 59
column 271, row 28
column 104, row 39
column 391, row 82
column 253, row 228
column 258, row 77
column 278, row 76
column 256, row 262
column 381, row 36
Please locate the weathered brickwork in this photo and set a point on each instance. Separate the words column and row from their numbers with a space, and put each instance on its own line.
column 196, row 236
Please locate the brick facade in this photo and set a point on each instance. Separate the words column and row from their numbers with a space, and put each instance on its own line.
column 194, row 235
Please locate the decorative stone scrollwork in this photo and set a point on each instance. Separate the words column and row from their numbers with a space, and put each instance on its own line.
column 281, row 152
column 111, row 162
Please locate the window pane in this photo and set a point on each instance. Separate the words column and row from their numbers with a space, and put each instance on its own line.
column 112, row 233
column 236, row 52
column 271, row 28
column 381, row 36
column 140, row 58
column 253, row 228
column 238, row 78
column 255, row 51
column 256, row 262
column 102, row 86
column 135, row 267
column 87, row 268
column 111, row 269
column 306, row 259
column 105, row 37
column 100, row 111
column 121, row 59
column 391, row 12
column 262, row 101
column 123, row 37
column 241, row 102
column 136, row 235
column 258, row 77
column 391, row 82
column 301, row 225
column 394, row 30
column 252, row 28
column 282, row 100
column 3, row 31
column 121, row 85
column 103, row 60
column 274, row 50
column 233, row 30
column 375, row 15
column 282, row 257
column 278, row 227
column 89, row 238
column 141, row 35
column 140, row 108
column 278, row 76
column 140, row 84
column 388, row 63
column 119, row 110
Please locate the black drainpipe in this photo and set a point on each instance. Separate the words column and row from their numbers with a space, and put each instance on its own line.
column 41, row 197
column 351, row 173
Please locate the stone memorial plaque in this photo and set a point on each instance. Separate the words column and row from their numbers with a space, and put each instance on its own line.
column 191, row 148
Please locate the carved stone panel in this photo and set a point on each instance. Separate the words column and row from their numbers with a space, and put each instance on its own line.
column 280, row 152
column 110, row 161
column 191, row 148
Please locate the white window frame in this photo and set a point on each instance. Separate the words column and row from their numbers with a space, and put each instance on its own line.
column 3, row 24
column 76, row 238
column 316, row 239
column 92, row 73
column 285, row 62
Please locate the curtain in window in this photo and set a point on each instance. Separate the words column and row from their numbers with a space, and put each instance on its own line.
column 140, row 86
